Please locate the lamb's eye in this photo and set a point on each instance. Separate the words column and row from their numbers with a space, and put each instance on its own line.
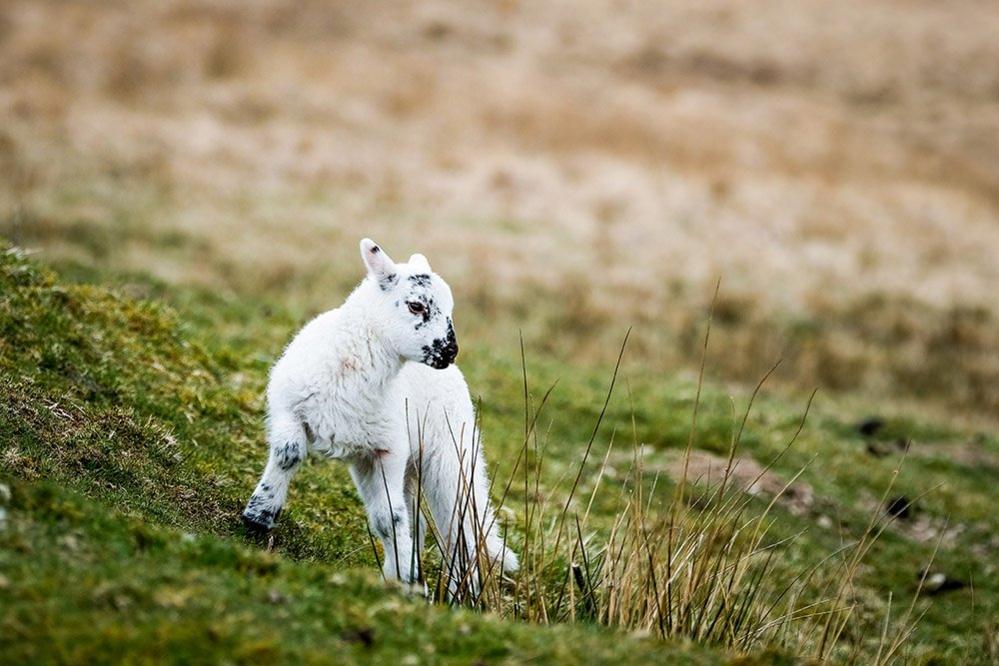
column 416, row 307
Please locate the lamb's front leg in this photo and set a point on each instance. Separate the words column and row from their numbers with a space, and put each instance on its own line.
column 380, row 480
column 288, row 447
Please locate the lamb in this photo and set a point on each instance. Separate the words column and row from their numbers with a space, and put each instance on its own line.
column 373, row 383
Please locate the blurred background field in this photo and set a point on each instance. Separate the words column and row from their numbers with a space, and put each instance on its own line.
column 573, row 169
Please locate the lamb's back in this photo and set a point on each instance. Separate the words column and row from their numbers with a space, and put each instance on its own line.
column 303, row 359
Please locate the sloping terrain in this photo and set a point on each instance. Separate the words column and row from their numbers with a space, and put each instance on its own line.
column 126, row 453
column 199, row 173
column 130, row 436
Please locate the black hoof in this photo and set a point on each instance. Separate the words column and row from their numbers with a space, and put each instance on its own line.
column 260, row 525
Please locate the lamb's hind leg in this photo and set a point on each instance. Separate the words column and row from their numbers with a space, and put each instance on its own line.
column 457, row 492
column 288, row 447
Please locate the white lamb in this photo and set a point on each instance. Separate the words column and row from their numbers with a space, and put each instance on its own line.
column 343, row 389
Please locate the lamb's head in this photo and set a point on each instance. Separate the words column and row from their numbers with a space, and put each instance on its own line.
column 413, row 306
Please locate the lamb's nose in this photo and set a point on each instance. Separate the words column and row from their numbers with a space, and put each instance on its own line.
column 452, row 345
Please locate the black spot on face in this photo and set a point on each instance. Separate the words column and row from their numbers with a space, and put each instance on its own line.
column 420, row 280
column 442, row 351
column 430, row 310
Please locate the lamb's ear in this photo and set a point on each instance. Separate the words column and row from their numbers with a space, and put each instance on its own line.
column 419, row 262
column 380, row 265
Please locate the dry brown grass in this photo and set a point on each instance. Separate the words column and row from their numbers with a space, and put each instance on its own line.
column 572, row 168
column 701, row 565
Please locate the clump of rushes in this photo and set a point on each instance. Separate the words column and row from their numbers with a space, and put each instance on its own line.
column 700, row 565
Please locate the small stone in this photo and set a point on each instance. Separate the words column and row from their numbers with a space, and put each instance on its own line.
column 870, row 426
column 900, row 507
column 877, row 449
column 938, row 582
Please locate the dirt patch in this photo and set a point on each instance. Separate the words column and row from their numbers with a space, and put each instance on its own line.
column 971, row 453
column 745, row 474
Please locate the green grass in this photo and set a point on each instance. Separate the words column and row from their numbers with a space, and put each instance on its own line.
column 84, row 583
column 131, row 435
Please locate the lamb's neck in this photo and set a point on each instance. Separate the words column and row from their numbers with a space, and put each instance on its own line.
column 364, row 355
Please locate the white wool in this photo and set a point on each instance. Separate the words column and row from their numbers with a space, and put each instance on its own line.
column 343, row 389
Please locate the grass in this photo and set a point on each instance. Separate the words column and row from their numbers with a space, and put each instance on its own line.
column 124, row 441
column 702, row 566
column 84, row 583
column 143, row 416
column 201, row 199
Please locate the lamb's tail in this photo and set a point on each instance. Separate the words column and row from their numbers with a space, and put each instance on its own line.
column 500, row 552
column 458, row 497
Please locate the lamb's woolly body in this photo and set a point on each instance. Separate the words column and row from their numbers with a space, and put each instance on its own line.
column 343, row 390
column 353, row 395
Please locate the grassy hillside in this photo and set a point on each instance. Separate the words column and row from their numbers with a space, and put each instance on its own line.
column 128, row 449
column 84, row 583
column 199, row 172
column 130, row 435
